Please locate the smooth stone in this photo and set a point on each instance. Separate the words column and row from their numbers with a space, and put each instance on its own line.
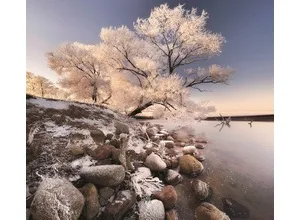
column 168, row 196
column 105, row 194
column 200, row 146
column 98, row 136
column 104, row 175
column 190, row 165
column 201, row 189
column 92, row 206
column 121, row 128
column 189, row 150
column 173, row 177
column 207, row 211
column 155, row 163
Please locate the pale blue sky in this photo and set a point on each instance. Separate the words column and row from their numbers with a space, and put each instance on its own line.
column 248, row 27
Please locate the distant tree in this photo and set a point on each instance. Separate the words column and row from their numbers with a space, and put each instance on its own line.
column 39, row 86
column 82, row 71
column 160, row 44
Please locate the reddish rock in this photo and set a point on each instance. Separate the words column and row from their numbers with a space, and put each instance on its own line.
column 102, row 152
column 168, row 196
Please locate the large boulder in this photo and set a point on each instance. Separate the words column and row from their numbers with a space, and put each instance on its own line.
column 104, row 175
column 121, row 128
column 152, row 210
column 201, row 189
column 122, row 203
column 92, row 206
column 207, row 211
column 98, row 136
column 173, row 177
column 190, row 165
column 155, row 163
column 57, row 199
column 168, row 196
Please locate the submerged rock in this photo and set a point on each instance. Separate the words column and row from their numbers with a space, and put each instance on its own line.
column 155, row 163
column 152, row 210
column 189, row 165
column 207, row 211
column 168, row 196
column 104, row 175
column 57, row 199
column 92, row 206
column 120, row 206
column 201, row 189
column 200, row 146
column 234, row 209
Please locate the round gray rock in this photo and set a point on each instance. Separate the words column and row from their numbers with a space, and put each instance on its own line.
column 57, row 199
column 155, row 163
column 201, row 189
column 172, row 177
column 104, row 175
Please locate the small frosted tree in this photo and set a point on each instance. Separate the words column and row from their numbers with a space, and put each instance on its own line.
column 82, row 71
column 40, row 86
column 159, row 45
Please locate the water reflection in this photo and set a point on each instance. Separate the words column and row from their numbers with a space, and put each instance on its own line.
column 239, row 165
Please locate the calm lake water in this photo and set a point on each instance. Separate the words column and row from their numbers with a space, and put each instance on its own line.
column 239, row 165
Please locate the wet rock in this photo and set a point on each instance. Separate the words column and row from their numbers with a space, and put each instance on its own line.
column 152, row 210
column 207, row 211
column 120, row 206
column 102, row 152
column 168, row 196
column 121, row 128
column 189, row 165
column 104, row 175
column 173, row 177
column 92, row 206
column 105, row 194
column 155, row 163
column 189, row 150
column 109, row 136
column 98, row 136
column 168, row 163
column 201, row 189
column 234, row 209
column 169, row 144
column 51, row 194
column 76, row 150
column 200, row 146
column 199, row 157
column 115, row 142
column 171, row 215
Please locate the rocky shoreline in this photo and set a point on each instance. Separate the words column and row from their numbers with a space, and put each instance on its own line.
column 89, row 163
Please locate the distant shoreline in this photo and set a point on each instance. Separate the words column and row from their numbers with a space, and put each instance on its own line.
column 263, row 118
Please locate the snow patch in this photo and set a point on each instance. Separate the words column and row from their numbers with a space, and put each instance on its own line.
column 83, row 162
column 49, row 104
column 57, row 131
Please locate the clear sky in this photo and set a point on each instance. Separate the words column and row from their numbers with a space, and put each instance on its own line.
column 247, row 25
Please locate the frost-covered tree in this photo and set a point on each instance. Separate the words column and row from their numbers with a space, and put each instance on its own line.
column 82, row 71
column 158, row 46
column 40, row 86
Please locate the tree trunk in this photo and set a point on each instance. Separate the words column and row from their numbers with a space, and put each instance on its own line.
column 140, row 109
